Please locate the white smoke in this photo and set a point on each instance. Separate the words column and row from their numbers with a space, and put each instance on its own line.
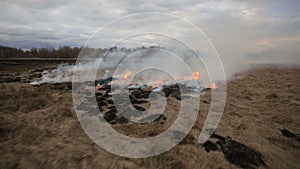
column 116, row 62
column 64, row 72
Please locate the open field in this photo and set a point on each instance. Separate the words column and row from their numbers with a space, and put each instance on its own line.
column 39, row 127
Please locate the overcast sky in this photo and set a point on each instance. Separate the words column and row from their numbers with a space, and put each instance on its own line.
column 270, row 27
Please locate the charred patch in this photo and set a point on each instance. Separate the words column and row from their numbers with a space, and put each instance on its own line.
column 235, row 152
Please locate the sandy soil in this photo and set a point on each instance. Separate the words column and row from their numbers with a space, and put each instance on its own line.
column 39, row 127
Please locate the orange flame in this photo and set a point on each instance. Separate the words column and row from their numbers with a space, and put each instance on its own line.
column 127, row 75
column 157, row 83
column 213, row 86
column 98, row 86
column 196, row 75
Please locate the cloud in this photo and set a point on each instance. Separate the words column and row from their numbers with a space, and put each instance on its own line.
column 233, row 26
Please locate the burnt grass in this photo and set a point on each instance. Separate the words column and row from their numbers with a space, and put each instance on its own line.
column 235, row 152
column 40, row 129
column 138, row 97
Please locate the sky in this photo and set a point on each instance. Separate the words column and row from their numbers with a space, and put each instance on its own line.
column 256, row 29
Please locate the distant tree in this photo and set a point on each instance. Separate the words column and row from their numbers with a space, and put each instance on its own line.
column 34, row 52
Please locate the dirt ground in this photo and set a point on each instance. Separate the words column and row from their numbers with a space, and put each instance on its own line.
column 39, row 127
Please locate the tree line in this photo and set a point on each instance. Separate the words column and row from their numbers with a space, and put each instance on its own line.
column 61, row 52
